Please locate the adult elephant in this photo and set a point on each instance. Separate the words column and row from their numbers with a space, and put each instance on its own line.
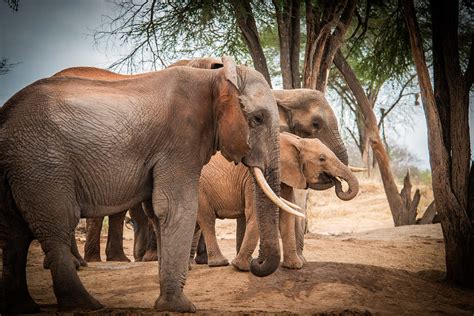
column 302, row 161
column 76, row 148
column 114, row 246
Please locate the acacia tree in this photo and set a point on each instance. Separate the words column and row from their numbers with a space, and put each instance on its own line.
column 446, row 110
column 161, row 30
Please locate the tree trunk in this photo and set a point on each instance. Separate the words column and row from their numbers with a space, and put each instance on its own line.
column 449, row 175
column 288, row 20
column 429, row 215
column 248, row 28
column 399, row 212
column 326, row 25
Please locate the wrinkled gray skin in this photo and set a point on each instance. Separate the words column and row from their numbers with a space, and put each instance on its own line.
column 302, row 161
column 76, row 148
column 114, row 248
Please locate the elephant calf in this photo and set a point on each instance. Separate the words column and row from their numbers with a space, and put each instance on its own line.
column 302, row 161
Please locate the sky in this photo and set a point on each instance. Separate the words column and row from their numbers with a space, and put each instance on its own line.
column 46, row 36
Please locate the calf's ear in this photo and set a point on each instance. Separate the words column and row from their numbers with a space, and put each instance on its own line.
column 291, row 164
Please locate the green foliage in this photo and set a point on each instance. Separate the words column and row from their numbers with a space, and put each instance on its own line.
column 163, row 31
column 379, row 48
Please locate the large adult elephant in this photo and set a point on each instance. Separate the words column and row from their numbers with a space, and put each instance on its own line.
column 114, row 247
column 76, row 148
column 302, row 161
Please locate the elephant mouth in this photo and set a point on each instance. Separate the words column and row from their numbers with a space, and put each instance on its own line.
column 325, row 181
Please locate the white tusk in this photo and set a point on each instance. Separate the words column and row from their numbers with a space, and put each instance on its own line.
column 357, row 169
column 262, row 183
column 292, row 205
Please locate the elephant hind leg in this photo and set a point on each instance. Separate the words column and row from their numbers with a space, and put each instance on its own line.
column 55, row 237
column 15, row 239
column 78, row 260
column 114, row 248
column 201, row 250
column 92, row 245
column 16, row 298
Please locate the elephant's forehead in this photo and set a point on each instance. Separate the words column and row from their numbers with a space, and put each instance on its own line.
column 314, row 145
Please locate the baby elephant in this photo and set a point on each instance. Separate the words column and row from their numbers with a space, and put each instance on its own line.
column 302, row 161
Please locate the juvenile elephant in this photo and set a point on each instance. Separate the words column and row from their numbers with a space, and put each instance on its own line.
column 75, row 147
column 114, row 247
column 302, row 161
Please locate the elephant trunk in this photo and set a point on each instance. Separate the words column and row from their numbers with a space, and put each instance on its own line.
column 351, row 180
column 267, row 218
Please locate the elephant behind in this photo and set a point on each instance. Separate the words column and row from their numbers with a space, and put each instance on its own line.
column 87, row 148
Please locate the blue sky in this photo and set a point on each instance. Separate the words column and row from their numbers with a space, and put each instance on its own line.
column 49, row 35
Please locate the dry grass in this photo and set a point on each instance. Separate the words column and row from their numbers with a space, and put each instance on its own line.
column 369, row 210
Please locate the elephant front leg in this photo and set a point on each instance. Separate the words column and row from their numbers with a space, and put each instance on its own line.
column 114, row 248
column 207, row 222
column 140, row 231
column 249, row 243
column 92, row 245
column 176, row 215
column 291, row 259
column 301, row 224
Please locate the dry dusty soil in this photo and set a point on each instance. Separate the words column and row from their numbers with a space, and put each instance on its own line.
column 358, row 263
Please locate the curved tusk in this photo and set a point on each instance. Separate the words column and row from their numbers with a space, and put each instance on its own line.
column 263, row 184
column 357, row 169
column 292, row 205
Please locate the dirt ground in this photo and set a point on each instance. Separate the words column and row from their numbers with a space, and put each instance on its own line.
column 358, row 263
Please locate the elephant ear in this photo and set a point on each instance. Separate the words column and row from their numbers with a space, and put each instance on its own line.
column 230, row 71
column 232, row 126
column 291, row 164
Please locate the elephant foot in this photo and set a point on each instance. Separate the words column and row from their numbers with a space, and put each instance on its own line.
column 218, row 262
column 302, row 258
column 85, row 303
column 150, row 255
column 201, row 258
column 241, row 264
column 92, row 258
column 118, row 257
column 178, row 303
column 293, row 263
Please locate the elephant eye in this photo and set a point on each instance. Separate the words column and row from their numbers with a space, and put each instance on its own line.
column 322, row 158
column 316, row 125
column 257, row 120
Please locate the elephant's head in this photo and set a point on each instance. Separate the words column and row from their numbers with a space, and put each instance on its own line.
column 303, row 160
column 248, row 132
column 307, row 113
